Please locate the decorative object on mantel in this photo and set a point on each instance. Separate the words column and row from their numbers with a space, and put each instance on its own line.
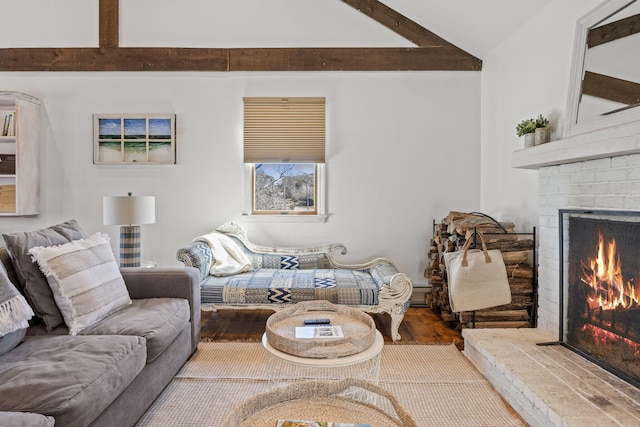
column 543, row 131
column 527, row 129
column 129, row 212
column 535, row 131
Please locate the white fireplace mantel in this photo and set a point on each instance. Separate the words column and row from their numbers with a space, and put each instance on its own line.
column 617, row 140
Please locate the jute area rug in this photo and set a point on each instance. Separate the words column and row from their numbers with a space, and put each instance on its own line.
column 435, row 383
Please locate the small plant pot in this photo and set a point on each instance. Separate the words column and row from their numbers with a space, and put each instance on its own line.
column 529, row 139
column 542, row 135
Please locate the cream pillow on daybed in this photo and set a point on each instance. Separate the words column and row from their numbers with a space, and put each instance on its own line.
column 85, row 280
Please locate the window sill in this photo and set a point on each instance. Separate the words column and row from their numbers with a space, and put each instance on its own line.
column 283, row 218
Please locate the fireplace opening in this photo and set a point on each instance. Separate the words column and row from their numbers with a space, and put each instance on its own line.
column 601, row 293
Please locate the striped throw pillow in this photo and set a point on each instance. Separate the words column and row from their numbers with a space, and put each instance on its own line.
column 84, row 278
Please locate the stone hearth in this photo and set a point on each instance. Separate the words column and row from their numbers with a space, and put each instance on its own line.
column 550, row 385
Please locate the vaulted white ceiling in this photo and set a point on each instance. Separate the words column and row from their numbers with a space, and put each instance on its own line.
column 476, row 26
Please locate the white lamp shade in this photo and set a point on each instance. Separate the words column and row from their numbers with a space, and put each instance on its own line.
column 128, row 210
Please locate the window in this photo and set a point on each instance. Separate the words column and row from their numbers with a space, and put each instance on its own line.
column 284, row 155
column 284, row 188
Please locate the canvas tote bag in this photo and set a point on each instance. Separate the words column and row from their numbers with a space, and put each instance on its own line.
column 477, row 278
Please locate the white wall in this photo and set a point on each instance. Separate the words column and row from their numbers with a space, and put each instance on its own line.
column 402, row 150
column 526, row 75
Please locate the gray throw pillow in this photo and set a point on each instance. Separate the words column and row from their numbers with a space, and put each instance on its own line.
column 34, row 284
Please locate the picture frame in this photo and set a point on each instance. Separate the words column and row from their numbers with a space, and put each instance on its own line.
column 134, row 139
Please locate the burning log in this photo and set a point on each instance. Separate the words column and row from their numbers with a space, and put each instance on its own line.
column 603, row 309
column 602, row 273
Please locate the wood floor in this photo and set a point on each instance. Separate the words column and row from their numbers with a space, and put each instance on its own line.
column 420, row 325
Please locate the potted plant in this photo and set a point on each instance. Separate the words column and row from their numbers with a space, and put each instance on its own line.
column 542, row 131
column 535, row 131
column 527, row 129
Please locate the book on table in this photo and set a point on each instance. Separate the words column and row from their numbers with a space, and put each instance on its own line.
column 325, row 331
column 309, row 423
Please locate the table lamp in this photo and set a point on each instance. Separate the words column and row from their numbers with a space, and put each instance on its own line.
column 129, row 212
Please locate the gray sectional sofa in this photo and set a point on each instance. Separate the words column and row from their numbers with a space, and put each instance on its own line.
column 109, row 373
column 276, row 277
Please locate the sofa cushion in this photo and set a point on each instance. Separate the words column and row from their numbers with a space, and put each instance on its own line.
column 158, row 320
column 25, row 419
column 274, row 286
column 33, row 283
column 85, row 279
column 72, row 378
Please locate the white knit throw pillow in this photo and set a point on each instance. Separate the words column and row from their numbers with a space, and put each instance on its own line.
column 85, row 280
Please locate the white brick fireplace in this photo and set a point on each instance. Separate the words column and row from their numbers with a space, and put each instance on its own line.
column 551, row 385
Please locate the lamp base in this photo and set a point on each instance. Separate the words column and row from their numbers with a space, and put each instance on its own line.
column 130, row 246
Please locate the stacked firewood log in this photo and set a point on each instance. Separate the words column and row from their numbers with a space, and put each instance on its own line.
column 517, row 252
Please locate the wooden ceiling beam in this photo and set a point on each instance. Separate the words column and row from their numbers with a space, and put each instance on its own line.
column 613, row 31
column 398, row 23
column 236, row 59
column 351, row 59
column 433, row 53
column 611, row 88
column 109, row 25
column 113, row 59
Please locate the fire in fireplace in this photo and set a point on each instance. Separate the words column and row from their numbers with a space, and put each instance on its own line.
column 602, row 293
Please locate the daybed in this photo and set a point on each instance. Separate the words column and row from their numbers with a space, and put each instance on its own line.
column 108, row 373
column 274, row 277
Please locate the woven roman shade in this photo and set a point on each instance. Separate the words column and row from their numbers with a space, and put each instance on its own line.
column 284, row 130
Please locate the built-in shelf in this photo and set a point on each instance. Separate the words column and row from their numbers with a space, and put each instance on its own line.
column 19, row 154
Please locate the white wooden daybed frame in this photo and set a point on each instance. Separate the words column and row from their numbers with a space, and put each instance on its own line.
column 393, row 297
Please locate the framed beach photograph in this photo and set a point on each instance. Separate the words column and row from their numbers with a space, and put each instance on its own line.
column 134, row 139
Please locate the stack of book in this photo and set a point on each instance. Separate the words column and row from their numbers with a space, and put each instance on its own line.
column 8, row 127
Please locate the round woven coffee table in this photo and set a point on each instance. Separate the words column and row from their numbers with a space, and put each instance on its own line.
column 291, row 359
column 358, row 330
